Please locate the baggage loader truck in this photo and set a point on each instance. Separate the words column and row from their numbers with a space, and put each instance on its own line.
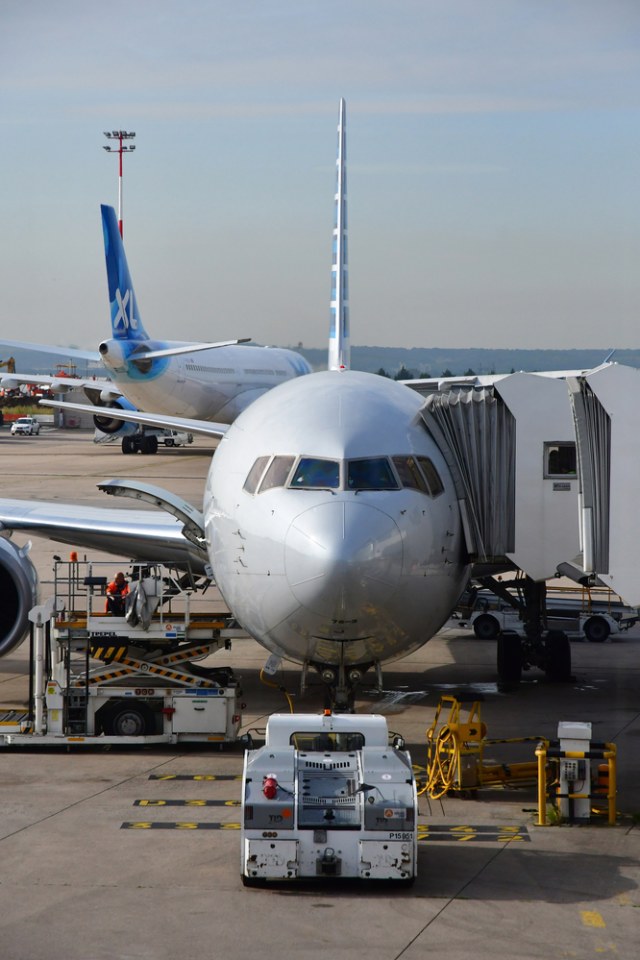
column 136, row 675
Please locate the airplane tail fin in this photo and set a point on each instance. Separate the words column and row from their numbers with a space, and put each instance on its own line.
column 339, row 344
column 125, row 319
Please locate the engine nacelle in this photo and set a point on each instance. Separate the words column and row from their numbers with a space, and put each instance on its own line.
column 19, row 592
column 110, row 424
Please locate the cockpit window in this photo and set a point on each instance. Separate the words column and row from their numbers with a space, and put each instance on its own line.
column 372, row 474
column 276, row 475
column 253, row 477
column 313, row 474
column 410, row 473
column 436, row 485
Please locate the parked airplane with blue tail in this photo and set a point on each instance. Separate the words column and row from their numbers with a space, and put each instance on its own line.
column 203, row 381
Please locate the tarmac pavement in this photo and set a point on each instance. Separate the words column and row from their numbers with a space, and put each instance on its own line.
column 133, row 853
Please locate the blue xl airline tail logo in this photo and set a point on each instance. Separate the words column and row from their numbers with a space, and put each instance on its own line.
column 124, row 318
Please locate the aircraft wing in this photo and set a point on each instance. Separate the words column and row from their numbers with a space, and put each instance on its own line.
column 69, row 353
column 192, row 348
column 59, row 384
column 164, row 422
column 143, row 535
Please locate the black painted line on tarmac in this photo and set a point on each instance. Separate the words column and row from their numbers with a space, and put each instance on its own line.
column 430, row 834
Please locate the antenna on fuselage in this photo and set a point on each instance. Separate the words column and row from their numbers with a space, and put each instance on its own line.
column 339, row 345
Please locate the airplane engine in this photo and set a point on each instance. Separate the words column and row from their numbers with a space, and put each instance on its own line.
column 109, row 423
column 19, row 592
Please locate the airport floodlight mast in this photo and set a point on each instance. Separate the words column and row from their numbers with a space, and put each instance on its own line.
column 119, row 135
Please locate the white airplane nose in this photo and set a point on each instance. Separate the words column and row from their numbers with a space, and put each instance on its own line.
column 343, row 558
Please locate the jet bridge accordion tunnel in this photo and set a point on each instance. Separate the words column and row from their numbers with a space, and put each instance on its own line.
column 475, row 432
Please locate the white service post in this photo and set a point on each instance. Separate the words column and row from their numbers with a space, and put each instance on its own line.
column 575, row 772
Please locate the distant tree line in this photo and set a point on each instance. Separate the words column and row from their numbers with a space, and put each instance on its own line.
column 404, row 374
column 472, row 360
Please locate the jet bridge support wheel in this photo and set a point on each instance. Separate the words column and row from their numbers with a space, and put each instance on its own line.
column 558, row 656
column 509, row 657
column 596, row 630
column 486, row 627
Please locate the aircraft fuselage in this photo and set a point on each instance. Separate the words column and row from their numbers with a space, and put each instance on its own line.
column 326, row 541
column 215, row 384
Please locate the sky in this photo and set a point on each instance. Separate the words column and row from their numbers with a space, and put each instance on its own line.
column 493, row 168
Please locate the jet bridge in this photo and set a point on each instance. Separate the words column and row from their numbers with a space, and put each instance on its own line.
column 511, row 450
column 546, row 472
column 605, row 404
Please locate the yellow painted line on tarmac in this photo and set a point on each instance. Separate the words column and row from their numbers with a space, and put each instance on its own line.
column 205, row 777
column 186, row 803
column 591, row 918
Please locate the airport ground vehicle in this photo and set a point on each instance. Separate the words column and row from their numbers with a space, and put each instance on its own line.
column 328, row 796
column 133, row 678
column 175, row 438
column 594, row 616
column 25, row 426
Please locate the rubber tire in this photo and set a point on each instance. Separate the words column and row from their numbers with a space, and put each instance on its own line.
column 509, row 658
column 253, row 881
column 149, row 444
column 558, row 656
column 596, row 630
column 486, row 627
column 128, row 719
column 406, row 882
column 169, row 442
column 128, row 445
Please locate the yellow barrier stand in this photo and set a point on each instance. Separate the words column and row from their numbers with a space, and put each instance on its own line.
column 599, row 751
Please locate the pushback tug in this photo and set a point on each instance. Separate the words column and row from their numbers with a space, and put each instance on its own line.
column 328, row 796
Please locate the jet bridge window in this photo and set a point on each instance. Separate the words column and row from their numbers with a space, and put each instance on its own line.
column 253, row 477
column 374, row 473
column 560, row 460
column 315, row 474
column 276, row 475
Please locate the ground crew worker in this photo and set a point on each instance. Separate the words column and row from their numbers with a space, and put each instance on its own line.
column 116, row 592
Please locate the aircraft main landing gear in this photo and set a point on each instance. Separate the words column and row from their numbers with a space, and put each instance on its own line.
column 140, row 443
